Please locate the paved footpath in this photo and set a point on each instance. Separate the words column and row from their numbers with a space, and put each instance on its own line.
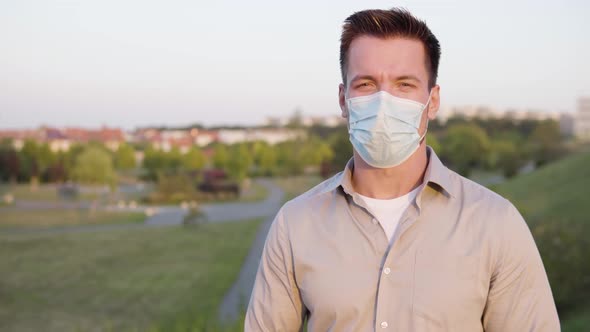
column 164, row 215
column 236, row 299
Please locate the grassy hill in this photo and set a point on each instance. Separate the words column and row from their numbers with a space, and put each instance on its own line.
column 555, row 201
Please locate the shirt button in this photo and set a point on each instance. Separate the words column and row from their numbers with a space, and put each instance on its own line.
column 386, row 270
column 374, row 221
column 383, row 325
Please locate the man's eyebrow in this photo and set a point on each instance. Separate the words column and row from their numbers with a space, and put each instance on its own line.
column 399, row 78
column 408, row 78
column 362, row 77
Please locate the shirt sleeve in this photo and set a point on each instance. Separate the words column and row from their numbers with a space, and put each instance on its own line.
column 275, row 303
column 519, row 297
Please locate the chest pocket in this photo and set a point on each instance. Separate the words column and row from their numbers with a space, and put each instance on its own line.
column 445, row 289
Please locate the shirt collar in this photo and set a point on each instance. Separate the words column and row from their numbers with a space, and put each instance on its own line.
column 437, row 175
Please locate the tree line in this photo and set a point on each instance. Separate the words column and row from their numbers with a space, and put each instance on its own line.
column 464, row 144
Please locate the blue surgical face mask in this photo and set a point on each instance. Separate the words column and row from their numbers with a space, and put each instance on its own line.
column 383, row 128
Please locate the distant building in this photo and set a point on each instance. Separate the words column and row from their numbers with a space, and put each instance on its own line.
column 204, row 137
column 110, row 137
column 333, row 121
column 484, row 112
column 57, row 140
column 582, row 121
column 566, row 124
column 274, row 136
column 269, row 135
column 307, row 121
column 18, row 137
column 62, row 139
column 165, row 140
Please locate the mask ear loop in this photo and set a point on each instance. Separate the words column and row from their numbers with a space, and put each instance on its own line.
column 425, row 109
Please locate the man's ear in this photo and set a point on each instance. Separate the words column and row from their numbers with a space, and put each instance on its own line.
column 434, row 104
column 342, row 100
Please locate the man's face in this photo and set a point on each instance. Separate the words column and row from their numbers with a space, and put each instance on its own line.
column 394, row 65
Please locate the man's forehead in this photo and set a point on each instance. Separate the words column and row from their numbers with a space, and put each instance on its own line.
column 396, row 56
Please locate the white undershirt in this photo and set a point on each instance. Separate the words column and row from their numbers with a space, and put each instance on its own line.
column 389, row 211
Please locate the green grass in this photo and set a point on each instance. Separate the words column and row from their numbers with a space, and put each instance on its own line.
column 49, row 193
column 255, row 193
column 555, row 202
column 296, row 185
column 577, row 320
column 124, row 280
column 11, row 218
column 555, row 191
column 43, row 192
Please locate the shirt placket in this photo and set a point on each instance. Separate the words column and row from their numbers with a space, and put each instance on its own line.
column 395, row 279
column 369, row 224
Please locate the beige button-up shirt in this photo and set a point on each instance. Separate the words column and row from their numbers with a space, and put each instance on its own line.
column 461, row 259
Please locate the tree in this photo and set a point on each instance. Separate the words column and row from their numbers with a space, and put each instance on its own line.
column 341, row 148
column 240, row 161
column 220, row 156
column 545, row 142
column 289, row 158
column 296, row 120
column 70, row 157
column 153, row 162
column 94, row 166
column 9, row 163
column 36, row 160
column 56, row 172
column 315, row 151
column 193, row 159
column 466, row 146
column 433, row 142
column 265, row 158
column 45, row 158
column 29, row 165
column 173, row 159
column 505, row 156
column 124, row 157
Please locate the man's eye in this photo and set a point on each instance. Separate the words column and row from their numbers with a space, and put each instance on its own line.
column 406, row 85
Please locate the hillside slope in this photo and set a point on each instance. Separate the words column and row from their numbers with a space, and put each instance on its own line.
column 555, row 202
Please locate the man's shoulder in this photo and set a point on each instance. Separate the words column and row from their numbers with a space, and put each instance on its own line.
column 314, row 196
column 471, row 192
column 325, row 187
column 485, row 205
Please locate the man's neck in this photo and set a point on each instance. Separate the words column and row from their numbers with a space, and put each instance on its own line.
column 388, row 183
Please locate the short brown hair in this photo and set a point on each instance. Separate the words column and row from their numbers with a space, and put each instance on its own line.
column 395, row 22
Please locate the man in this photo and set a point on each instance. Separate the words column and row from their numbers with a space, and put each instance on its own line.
column 397, row 241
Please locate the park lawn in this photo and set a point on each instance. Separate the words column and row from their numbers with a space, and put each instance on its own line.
column 120, row 280
column 255, row 193
column 554, row 201
column 44, row 192
column 12, row 218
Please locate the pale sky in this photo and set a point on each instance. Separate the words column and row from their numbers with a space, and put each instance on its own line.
column 136, row 63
